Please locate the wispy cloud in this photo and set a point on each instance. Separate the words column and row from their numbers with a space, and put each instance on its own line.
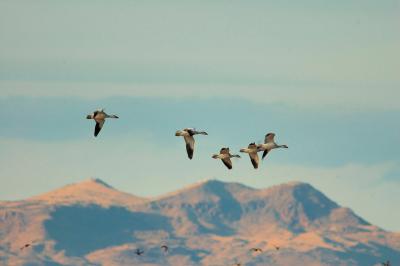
column 311, row 97
column 325, row 137
column 339, row 55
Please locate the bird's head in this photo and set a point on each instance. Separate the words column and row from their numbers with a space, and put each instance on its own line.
column 215, row 156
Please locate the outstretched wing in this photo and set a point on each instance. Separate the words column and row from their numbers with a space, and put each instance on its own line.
column 254, row 159
column 269, row 138
column 265, row 153
column 227, row 162
column 189, row 140
column 98, row 127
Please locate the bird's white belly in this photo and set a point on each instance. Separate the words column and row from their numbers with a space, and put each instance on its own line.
column 267, row 146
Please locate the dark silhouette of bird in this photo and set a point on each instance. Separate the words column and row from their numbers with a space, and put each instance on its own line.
column 164, row 248
column 139, row 252
column 27, row 245
column 276, row 247
column 387, row 263
column 256, row 249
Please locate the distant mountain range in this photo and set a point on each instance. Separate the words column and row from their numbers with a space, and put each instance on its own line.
column 209, row 223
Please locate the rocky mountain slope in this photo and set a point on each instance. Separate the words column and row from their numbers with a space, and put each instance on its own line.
column 208, row 223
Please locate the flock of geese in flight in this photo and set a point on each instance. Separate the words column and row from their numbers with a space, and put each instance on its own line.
column 165, row 249
column 224, row 154
column 99, row 116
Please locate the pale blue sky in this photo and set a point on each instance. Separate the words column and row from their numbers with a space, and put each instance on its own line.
column 323, row 75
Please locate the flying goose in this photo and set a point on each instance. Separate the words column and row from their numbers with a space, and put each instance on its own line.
column 276, row 247
column 27, row 245
column 188, row 134
column 225, row 156
column 252, row 151
column 100, row 117
column 139, row 252
column 256, row 249
column 269, row 144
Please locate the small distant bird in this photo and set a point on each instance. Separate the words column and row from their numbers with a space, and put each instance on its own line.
column 225, row 156
column 252, row 151
column 387, row 263
column 238, row 264
column 269, row 144
column 276, row 247
column 164, row 248
column 100, row 117
column 256, row 249
column 27, row 245
column 188, row 134
column 139, row 252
